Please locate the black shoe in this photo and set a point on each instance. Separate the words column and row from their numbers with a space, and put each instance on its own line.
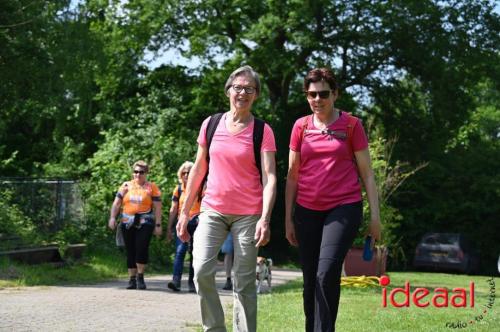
column 132, row 283
column 192, row 288
column 140, row 282
column 175, row 286
column 228, row 285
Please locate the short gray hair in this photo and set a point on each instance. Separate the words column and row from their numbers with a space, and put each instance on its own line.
column 244, row 70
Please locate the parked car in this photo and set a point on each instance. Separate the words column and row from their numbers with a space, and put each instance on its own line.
column 446, row 252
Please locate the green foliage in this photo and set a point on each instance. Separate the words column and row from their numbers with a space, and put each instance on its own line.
column 96, row 266
column 79, row 101
column 14, row 223
column 40, row 212
column 390, row 176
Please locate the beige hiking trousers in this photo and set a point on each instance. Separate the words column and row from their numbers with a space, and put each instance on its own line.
column 212, row 230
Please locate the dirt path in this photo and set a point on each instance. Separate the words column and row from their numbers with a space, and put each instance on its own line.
column 109, row 307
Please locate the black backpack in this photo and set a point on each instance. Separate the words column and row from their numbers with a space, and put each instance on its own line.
column 258, row 134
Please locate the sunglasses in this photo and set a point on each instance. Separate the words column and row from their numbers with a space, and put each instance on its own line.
column 322, row 94
column 249, row 90
column 138, row 172
column 185, row 172
column 334, row 133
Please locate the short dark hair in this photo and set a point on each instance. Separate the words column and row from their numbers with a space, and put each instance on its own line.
column 321, row 74
column 245, row 70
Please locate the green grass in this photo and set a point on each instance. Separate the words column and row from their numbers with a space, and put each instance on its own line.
column 361, row 308
column 94, row 267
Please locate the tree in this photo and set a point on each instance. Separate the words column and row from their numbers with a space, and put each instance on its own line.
column 383, row 52
column 46, row 63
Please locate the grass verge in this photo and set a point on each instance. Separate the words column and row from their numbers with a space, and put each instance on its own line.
column 94, row 267
column 361, row 308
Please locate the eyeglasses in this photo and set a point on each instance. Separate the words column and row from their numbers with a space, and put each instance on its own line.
column 185, row 172
column 138, row 172
column 249, row 90
column 322, row 94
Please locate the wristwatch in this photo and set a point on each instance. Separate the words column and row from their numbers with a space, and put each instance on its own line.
column 158, row 225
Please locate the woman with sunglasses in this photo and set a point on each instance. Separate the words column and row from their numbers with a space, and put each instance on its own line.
column 235, row 201
column 328, row 155
column 140, row 218
column 178, row 199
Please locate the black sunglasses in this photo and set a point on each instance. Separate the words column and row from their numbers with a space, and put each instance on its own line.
column 185, row 172
column 138, row 172
column 322, row 94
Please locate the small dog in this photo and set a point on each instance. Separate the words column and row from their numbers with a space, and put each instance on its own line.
column 263, row 272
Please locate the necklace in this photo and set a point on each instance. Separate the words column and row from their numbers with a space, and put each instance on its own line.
column 238, row 124
column 324, row 125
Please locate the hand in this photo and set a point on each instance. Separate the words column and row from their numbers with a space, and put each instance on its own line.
column 181, row 228
column 158, row 231
column 112, row 223
column 170, row 235
column 375, row 230
column 262, row 233
column 290, row 233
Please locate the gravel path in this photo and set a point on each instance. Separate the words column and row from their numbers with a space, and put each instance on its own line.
column 110, row 307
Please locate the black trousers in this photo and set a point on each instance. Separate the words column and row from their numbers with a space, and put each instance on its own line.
column 137, row 244
column 324, row 238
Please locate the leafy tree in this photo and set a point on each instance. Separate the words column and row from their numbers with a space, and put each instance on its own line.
column 384, row 51
column 77, row 92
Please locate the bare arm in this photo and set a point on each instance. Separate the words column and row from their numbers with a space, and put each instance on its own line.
column 262, row 231
column 115, row 208
column 174, row 210
column 367, row 176
column 291, row 194
column 196, row 176
column 157, row 207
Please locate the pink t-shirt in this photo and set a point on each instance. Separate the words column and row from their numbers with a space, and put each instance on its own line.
column 328, row 176
column 233, row 184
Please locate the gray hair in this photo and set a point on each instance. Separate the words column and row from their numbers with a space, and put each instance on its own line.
column 245, row 70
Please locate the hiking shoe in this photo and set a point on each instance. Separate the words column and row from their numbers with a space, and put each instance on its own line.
column 132, row 283
column 174, row 285
column 140, row 282
column 228, row 285
column 192, row 288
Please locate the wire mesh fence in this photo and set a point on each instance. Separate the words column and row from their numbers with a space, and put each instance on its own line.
column 49, row 204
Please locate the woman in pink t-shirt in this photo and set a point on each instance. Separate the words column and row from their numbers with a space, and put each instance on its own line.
column 235, row 201
column 328, row 155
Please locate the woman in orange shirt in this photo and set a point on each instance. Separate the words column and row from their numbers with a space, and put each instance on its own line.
column 178, row 198
column 139, row 198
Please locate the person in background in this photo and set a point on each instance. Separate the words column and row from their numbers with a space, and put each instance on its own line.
column 140, row 218
column 328, row 155
column 178, row 199
column 228, row 251
column 236, row 201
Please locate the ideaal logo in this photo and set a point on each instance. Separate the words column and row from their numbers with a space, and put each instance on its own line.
column 439, row 298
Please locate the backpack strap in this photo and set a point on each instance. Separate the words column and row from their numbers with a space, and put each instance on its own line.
column 258, row 135
column 211, row 128
column 351, row 122
column 305, row 121
column 179, row 190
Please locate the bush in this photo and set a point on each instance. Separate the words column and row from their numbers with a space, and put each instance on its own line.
column 14, row 223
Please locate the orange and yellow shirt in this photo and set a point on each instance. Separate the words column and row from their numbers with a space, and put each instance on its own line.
column 195, row 209
column 137, row 198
